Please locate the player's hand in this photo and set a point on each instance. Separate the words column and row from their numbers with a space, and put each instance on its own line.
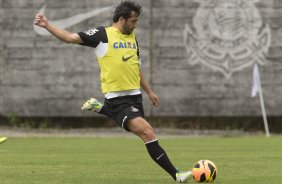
column 40, row 20
column 154, row 99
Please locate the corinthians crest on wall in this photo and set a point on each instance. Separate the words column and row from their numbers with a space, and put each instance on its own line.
column 227, row 35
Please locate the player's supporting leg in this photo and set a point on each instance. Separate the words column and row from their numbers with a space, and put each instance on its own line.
column 143, row 129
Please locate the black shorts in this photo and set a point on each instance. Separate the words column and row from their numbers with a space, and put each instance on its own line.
column 121, row 109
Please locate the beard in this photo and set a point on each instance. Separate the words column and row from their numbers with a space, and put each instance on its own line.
column 127, row 30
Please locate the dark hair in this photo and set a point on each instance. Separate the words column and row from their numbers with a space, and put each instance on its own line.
column 124, row 10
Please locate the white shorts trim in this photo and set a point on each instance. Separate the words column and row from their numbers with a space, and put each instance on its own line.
column 110, row 95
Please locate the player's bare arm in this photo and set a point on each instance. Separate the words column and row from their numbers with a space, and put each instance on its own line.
column 68, row 37
column 152, row 96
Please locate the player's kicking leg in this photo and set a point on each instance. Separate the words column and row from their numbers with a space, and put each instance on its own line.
column 145, row 132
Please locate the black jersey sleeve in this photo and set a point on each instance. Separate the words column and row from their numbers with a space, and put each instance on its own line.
column 138, row 52
column 93, row 37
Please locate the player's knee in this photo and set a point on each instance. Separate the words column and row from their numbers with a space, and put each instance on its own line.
column 141, row 128
column 148, row 133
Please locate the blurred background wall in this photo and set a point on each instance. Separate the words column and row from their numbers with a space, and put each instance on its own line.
column 198, row 56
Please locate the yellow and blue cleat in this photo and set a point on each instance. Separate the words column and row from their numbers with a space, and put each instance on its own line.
column 92, row 105
column 183, row 176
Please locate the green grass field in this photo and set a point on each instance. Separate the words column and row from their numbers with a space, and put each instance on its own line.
column 55, row 160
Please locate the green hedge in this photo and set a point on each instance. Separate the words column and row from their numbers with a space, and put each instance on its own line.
column 197, row 123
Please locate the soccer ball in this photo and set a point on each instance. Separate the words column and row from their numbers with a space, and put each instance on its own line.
column 204, row 171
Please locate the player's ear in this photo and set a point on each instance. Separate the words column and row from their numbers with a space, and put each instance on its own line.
column 121, row 19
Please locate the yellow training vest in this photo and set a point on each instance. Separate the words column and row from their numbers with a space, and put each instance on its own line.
column 120, row 65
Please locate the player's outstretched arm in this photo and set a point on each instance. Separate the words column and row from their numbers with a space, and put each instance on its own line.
column 68, row 37
column 152, row 96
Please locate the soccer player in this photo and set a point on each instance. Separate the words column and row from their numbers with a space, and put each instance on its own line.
column 121, row 77
column 3, row 139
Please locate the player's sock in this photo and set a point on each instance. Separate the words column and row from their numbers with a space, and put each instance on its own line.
column 160, row 157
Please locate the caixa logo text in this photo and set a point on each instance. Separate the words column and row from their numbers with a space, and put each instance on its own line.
column 124, row 45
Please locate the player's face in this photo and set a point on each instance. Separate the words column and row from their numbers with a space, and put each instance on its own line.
column 130, row 24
